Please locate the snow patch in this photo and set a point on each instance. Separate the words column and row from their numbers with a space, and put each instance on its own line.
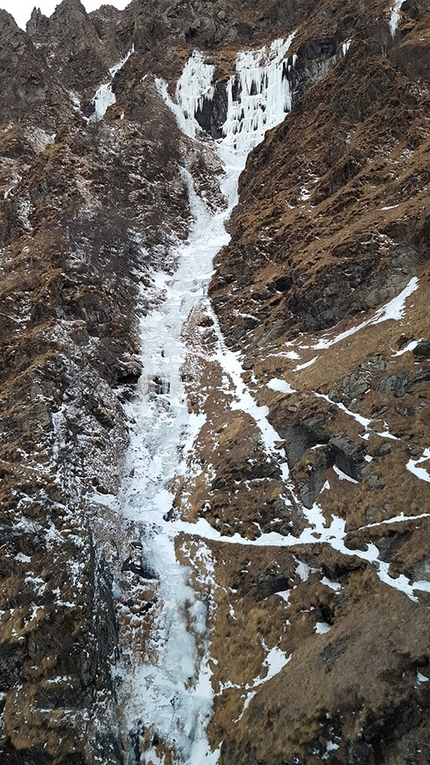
column 22, row 558
column 420, row 472
column 333, row 585
column 342, row 476
column 393, row 310
column 306, row 364
column 409, row 347
column 281, row 386
column 303, row 571
column 322, row 627
column 274, row 662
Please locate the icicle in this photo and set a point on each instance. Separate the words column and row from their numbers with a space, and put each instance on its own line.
column 262, row 100
column 345, row 47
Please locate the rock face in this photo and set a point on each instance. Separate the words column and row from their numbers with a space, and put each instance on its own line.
column 322, row 294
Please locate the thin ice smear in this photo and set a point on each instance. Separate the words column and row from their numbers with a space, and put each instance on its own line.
column 104, row 96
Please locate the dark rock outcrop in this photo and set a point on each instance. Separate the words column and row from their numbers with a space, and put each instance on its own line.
column 422, row 350
column 348, row 456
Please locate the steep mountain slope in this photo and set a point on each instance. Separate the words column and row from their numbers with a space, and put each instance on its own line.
column 73, row 259
column 214, row 535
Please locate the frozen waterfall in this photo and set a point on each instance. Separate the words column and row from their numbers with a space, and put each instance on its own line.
column 258, row 94
column 395, row 16
column 263, row 95
column 171, row 694
column 194, row 86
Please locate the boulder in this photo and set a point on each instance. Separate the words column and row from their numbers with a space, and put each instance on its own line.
column 397, row 384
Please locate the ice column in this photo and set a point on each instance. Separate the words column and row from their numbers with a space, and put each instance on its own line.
column 395, row 16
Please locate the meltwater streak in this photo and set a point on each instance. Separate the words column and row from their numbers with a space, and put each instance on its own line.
column 173, row 696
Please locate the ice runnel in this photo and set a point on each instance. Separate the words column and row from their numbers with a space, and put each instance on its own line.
column 173, row 696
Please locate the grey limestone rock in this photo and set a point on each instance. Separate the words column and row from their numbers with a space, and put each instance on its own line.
column 422, row 350
column 316, row 478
